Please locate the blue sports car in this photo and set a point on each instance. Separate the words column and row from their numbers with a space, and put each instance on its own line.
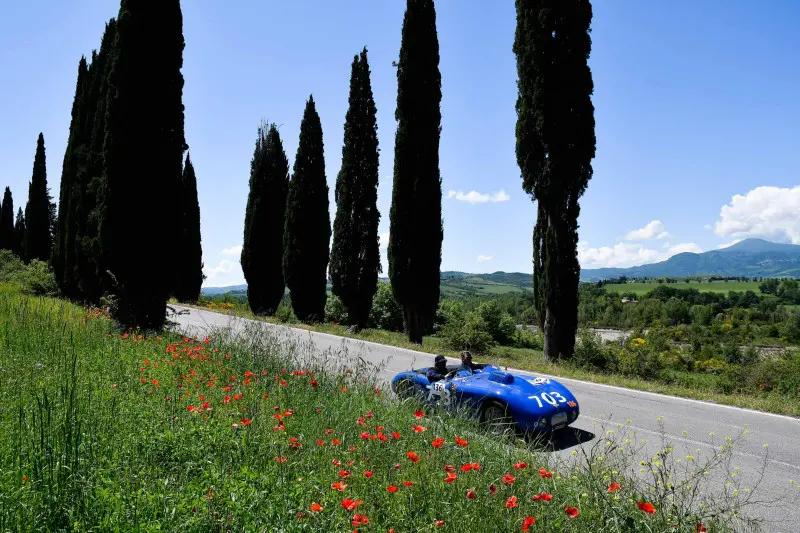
column 499, row 399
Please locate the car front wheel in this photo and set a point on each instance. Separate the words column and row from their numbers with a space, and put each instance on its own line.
column 497, row 418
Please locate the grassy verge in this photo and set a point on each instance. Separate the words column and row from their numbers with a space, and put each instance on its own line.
column 102, row 431
column 693, row 385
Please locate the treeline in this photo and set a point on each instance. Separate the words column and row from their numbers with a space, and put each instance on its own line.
column 127, row 230
column 30, row 235
column 287, row 229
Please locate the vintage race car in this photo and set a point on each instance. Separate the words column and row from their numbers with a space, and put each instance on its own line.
column 500, row 399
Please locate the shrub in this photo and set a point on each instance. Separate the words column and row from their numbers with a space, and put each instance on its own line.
column 592, row 354
column 470, row 334
column 334, row 310
column 781, row 374
column 386, row 312
column 10, row 265
column 285, row 313
column 499, row 324
column 639, row 358
column 525, row 338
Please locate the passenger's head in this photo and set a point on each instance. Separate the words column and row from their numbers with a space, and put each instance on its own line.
column 440, row 362
column 466, row 358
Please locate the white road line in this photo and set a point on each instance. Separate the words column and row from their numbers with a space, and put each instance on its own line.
column 693, row 442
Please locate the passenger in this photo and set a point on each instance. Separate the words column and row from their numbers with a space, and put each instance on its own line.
column 439, row 369
column 467, row 364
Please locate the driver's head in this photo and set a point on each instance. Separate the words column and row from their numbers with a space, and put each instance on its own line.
column 440, row 362
column 466, row 357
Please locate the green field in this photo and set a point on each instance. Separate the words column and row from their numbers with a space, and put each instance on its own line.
column 476, row 285
column 105, row 431
column 714, row 286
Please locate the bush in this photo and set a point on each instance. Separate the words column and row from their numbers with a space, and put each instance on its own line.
column 36, row 278
column 499, row 324
column 334, row 310
column 386, row 313
column 781, row 374
column 592, row 354
column 285, row 313
column 10, row 266
column 525, row 338
column 471, row 334
column 639, row 358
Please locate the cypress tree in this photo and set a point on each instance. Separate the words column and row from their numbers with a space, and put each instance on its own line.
column 555, row 147
column 262, row 247
column 190, row 267
column 143, row 155
column 355, row 256
column 308, row 227
column 90, row 275
column 7, row 221
column 415, row 228
column 19, row 233
column 38, row 241
column 63, row 255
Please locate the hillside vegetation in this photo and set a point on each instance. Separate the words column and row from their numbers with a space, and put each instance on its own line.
column 101, row 430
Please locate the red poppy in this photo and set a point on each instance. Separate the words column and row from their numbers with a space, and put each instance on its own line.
column 449, row 468
column 571, row 511
column 509, row 479
column 614, row 487
column 700, row 528
column 382, row 437
column 368, row 415
column 314, row 383
column 191, row 408
column 329, row 432
column 340, row 486
column 511, row 502
column 392, row 488
column 360, row 421
column 544, row 473
column 646, row 507
column 466, row 468
column 438, row 523
column 520, row 466
column 397, row 466
column 238, row 397
column 365, row 435
column 344, row 473
column 206, row 405
column 335, row 442
column 527, row 523
column 320, row 443
column 413, row 457
column 281, row 459
column 438, row 442
column 246, row 422
column 419, row 429
column 451, row 476
column 336, row 462
column 359, row 520
column 351, row 505
column 226, row 399
column 492, row 489
column 471, row 494
column 316, row 507
column 368, row 473
column 543, row 496
column 419, row 414
column 408, row 483
column 460, row 441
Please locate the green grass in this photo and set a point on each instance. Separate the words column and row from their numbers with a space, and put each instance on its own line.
column 106, row 431
column 476, row 285
column 693, row 385
column 714, row 286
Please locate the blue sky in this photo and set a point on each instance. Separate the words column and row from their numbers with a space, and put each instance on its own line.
column 696, row 110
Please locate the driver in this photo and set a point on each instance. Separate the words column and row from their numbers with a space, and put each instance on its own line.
column 439, row 369
column 467, row 364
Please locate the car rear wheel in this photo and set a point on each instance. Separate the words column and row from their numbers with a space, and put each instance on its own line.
column 497, row 418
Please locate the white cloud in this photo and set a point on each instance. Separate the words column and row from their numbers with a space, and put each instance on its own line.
column 653, row 230
column 384, row 243
column 769, row 212
column 625, row 254
column 484, row 258
column 224, row 267
column 233, row 250
column 474, row 197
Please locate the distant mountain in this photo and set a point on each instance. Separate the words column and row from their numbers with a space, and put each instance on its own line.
column 212, row 291
column 750, row 257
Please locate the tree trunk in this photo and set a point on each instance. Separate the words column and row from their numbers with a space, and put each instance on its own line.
column 550, row 341
column 414, row 326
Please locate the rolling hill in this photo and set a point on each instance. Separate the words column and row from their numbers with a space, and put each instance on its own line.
column 750, row 257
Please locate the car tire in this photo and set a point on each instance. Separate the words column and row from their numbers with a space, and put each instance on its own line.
column 497, row 419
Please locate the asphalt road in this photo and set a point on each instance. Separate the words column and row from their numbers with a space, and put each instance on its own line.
column 693, row 427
